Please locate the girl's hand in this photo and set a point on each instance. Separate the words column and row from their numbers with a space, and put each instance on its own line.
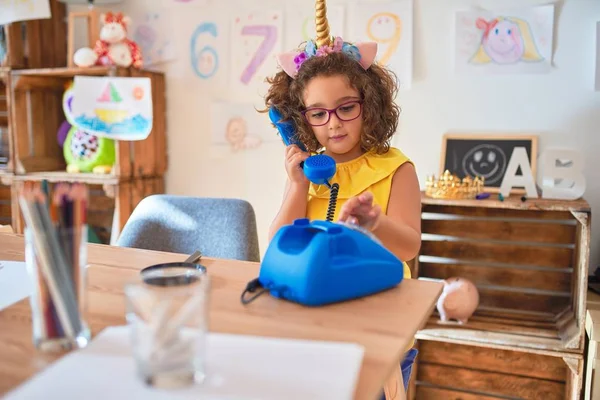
column 360, row 210
column 293, row 157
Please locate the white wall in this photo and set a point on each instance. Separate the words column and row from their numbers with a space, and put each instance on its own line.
column 561, row 107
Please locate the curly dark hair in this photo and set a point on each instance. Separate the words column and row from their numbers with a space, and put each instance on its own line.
column 377, row 87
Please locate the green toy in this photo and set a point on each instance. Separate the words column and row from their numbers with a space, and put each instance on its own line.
column 88, row 153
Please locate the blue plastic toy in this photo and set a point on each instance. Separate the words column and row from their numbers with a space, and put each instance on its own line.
column 319, row 262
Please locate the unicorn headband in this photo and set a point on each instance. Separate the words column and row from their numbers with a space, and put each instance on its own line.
column 364, row 53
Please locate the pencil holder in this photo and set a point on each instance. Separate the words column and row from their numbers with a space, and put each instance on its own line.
column 56, row 262
column 167, row 310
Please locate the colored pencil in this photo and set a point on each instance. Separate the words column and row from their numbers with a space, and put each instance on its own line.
column 56, row 221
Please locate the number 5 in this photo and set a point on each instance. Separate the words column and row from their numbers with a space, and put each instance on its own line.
column 208, row 70
column 270, row 34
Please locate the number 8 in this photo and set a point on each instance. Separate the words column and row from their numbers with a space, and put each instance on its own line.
column 210, row 28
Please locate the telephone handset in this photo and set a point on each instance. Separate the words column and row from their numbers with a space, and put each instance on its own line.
column 319, row 168
column 320, row 262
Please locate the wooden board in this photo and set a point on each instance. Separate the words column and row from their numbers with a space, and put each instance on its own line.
column 38, row 43
column 6, row 140
column 5, row 205
column 451, row 371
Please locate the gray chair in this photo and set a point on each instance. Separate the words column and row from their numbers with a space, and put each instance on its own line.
column 218, row 227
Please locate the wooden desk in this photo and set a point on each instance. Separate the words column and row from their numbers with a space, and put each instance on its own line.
column 384, row 323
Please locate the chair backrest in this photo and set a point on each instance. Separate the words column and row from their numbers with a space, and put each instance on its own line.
column 218, row 227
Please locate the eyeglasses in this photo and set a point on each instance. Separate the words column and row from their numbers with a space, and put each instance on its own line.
column 345, row 112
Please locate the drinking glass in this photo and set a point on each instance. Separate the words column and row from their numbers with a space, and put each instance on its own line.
column 59, row 299
column 167, row 311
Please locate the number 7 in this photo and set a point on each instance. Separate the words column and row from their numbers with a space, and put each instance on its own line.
column 270, row 37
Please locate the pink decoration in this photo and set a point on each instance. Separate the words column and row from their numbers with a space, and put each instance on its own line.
column 502, row 40
column 458, row 300
column 286, row 61
column 364, row 53
column 368, row 51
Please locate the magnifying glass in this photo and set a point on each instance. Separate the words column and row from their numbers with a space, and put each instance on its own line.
column 172, row 274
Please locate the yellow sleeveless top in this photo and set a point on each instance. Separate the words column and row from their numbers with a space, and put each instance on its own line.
column 370, row 172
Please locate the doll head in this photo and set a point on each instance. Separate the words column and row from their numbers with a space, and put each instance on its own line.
column 342, row 72
column 114, row 27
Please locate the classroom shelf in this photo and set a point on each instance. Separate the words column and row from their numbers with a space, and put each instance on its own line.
column 33, row 78
column 38, row 43
column 69, row 72
column 36, row 113
column 529, row 262
column 110, row 203
column 58, row 176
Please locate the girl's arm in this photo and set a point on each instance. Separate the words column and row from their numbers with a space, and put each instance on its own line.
column 400, row 229
column 295, row 200
column 295, row 197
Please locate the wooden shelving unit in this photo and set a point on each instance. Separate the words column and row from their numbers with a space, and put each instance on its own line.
column 529, row 261
column 33, row 79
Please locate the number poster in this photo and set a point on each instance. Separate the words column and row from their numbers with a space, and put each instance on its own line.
column 255, row 41
column 390, row 25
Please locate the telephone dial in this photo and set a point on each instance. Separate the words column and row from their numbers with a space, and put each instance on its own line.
column 320, row 262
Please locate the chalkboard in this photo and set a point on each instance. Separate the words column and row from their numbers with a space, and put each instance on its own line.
column 484, row 155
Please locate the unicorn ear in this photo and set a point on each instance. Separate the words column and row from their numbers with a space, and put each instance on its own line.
column 368, row 51
column 286, row 62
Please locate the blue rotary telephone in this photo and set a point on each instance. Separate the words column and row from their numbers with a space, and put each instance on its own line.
column 322, row 262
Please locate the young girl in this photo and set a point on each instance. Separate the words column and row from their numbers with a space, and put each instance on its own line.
column 342, row 103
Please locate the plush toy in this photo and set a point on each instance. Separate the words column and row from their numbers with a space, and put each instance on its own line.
column 87, row 153
column 113, row 47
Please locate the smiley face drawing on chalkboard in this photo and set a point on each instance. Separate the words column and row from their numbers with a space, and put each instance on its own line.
column 485, row 160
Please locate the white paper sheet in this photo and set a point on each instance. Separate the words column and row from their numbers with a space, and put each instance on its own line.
column 504, row 41
column 202, row 60
column 390, row 24
column 23, row 10
column 239, row 126
column 598, row 56
column 256, row 38
column 239, row 367
column 117, row 108
column 152, row 30
column 15, row 283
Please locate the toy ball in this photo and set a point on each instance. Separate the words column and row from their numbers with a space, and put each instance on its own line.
column 85, row 151
column 63, row 130
column 85, row 57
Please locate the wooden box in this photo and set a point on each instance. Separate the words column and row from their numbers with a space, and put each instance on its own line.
column 5, row 137
column 448, row 371
column 38, row 43
column 36, row 114
column 529, row 261
column 109, row 207
column 5, row 204
column 591, row 365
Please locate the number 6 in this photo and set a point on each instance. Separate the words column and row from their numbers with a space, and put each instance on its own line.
column 210, row 28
